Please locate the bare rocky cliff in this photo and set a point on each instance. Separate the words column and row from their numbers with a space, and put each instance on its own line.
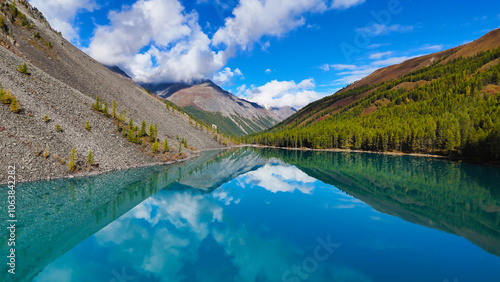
column 62, row 83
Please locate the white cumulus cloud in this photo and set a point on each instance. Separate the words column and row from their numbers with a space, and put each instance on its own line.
column 253, row 19
column 226, row 75
column 281, row 178
column 61, row 14
column 177, row 49
column 281, row 93
column 159, row 41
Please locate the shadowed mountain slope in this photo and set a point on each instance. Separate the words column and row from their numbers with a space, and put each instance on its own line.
column 62, row 83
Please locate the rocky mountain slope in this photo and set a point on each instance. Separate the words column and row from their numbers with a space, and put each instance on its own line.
column 210, row 103
column 62, row 83
column 283, row 112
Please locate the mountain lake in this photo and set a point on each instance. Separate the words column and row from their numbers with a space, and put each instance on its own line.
column 263, row 215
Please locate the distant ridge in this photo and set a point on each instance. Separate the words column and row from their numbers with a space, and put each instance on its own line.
column 212, row 104
column 489, row 41
column 119, row 71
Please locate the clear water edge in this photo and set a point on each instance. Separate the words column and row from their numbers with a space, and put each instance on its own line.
column 266, row 215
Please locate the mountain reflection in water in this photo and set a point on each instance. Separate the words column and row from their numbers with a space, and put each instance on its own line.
column 260, row 214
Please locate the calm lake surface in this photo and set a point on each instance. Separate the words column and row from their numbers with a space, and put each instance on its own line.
column 263, row 215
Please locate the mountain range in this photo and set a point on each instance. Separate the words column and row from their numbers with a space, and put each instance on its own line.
column 213, row 105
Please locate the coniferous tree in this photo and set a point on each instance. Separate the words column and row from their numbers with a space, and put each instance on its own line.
column 2, row 24
column 23, row 68
column 165, row 146
column 14, row 106
column 6, row 97
column 45, row 153
column 156, row 146
column 122, row 115
column 87, row 126
column 90, row 158
column 13, row 10
column 97, row 105
column 142, row 131
column 496, row 77
column 113, row 109
column 72, row 160
column 131, row 134
column 130, row 124
column 2, row 93
column 151, row 133
column 105, row 110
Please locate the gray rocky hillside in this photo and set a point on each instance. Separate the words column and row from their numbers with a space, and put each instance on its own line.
column 62, row 83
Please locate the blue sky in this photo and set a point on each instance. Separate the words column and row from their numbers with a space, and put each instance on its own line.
column 273, row 52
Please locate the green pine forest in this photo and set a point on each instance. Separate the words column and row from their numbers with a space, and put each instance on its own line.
column 451, row 109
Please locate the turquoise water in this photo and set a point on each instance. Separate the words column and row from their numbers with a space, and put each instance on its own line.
column 265, row 215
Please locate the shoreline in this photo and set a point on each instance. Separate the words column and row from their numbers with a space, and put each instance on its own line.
column 197, row 154
column 448, row 158
column 354, row 151
column 95, row 173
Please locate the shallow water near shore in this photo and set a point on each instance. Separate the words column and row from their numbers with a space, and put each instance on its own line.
column 255, row 214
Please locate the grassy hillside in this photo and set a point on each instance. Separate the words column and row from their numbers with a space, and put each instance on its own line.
column 450, row 107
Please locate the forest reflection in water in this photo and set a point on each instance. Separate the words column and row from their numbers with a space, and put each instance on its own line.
column 254, row 214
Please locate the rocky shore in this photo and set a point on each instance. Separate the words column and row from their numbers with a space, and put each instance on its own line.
column 58, row 90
